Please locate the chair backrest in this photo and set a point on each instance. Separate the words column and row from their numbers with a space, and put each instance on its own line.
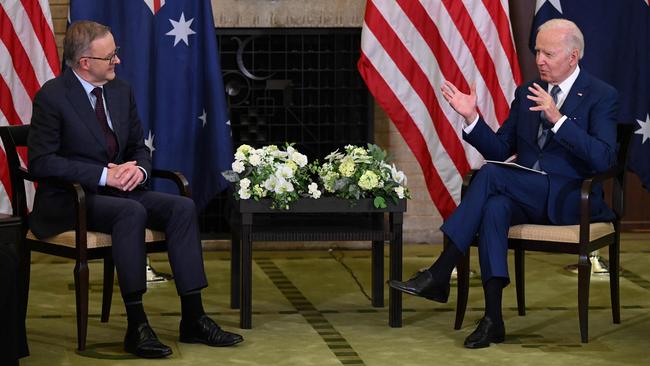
column 14, row 139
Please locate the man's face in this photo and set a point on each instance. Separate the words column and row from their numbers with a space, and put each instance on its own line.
column 554, row 60
column 99, row 64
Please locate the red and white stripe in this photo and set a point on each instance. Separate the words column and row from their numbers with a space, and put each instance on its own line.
column 155, row 5
column 28, row 59
column 408, row 49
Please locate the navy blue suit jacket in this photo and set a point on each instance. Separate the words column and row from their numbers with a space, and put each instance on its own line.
column 66, row 142
column 583, row 146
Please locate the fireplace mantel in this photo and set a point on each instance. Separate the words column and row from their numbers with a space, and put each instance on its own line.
column 288, row 13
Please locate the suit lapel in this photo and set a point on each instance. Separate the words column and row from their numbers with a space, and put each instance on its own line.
column 535, row 117
column 78, row 98
column 577, row 94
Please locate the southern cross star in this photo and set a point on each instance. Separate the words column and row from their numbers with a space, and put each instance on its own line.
column 149, row 143
column 644, row 130
column 181, row 30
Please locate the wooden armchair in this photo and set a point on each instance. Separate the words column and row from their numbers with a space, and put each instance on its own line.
column 78, row 244
column 579, row 240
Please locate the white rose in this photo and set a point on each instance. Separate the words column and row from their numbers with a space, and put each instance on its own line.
column 240, row 156
column 400, row 192
column 255, row 159
column 313, row 190
column 271, row 183
column 244, row 193
column 284, row 171
column 298, row 158
column 245, row 183
column 398, row 176
column 238, row 166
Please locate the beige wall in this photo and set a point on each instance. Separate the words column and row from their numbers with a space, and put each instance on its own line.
column 422, row 219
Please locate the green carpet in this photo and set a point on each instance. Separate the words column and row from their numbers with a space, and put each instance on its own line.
column 312, row 308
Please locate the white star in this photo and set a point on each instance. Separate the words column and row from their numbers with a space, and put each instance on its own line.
column 644, row 130
column 204, row 118
column 181, row 30
column 556, row 4
column 149, row 143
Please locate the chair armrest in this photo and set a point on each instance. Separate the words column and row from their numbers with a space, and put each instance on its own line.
column 178, row 178
column 585, row 198
column 587, row 184
column 467, row 179
column 79, row 195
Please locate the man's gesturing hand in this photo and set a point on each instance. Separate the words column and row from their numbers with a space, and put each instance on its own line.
column 544, row 102
column 463, row 104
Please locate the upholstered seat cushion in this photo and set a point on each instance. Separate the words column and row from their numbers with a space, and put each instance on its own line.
column 564, row 234
column 94, row 239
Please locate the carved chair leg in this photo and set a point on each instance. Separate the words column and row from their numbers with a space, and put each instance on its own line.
column 614, row 271
column 462, row 282
column 81, row 295
column 584, row 277
column 520, row 266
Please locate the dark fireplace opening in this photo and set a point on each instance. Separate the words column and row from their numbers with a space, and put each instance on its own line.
column 291, row 85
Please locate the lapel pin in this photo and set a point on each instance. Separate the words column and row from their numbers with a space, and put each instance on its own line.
column 579, row 94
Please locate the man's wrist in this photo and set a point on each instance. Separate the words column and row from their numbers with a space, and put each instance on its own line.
column 144, row 174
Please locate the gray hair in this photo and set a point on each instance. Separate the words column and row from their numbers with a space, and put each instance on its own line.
column 574, row 38
column 78, row 38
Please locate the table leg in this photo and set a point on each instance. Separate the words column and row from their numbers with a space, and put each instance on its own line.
column 246, row 256
column 235, row 258
column 394, row 296
column 377, row 265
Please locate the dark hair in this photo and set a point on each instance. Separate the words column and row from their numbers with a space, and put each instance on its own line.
column 78, row 38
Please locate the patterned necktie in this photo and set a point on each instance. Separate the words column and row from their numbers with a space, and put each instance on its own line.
column 542, row 135
column 546, row 125
column 111, row 142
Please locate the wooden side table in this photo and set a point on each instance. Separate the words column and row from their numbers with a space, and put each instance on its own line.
column 14, row 308
column 330, row 219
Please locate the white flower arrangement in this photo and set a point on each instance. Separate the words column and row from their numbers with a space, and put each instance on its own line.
column 363, row 173
column 285, row 176
column 280, row 175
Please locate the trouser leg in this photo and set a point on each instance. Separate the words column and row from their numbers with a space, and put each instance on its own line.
column 177, row 217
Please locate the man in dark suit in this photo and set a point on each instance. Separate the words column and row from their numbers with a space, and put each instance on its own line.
column 563, row 125
column 85, row 128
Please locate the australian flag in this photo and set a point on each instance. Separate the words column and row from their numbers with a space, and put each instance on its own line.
column 168, row 53
column 617, row 50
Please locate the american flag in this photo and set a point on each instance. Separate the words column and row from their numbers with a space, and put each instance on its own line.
column 408, row 49
column 28, row 58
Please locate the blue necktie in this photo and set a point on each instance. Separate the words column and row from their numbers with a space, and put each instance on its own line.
column 546, row 125
column 542, row 135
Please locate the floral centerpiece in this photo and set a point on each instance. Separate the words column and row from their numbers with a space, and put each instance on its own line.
column 269, row 172
column 362, row 173
column 284, row 176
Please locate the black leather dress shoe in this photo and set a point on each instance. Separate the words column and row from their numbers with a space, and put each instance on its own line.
column 487, row 332
column 205, row 330
column 142, row 341
column 423, row 285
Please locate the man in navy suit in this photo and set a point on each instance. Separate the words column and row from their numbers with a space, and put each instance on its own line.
column 85, row 128
column 563, row 125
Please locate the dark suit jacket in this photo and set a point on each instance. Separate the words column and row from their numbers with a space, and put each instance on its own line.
column 66, row 141
column 583, row 146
